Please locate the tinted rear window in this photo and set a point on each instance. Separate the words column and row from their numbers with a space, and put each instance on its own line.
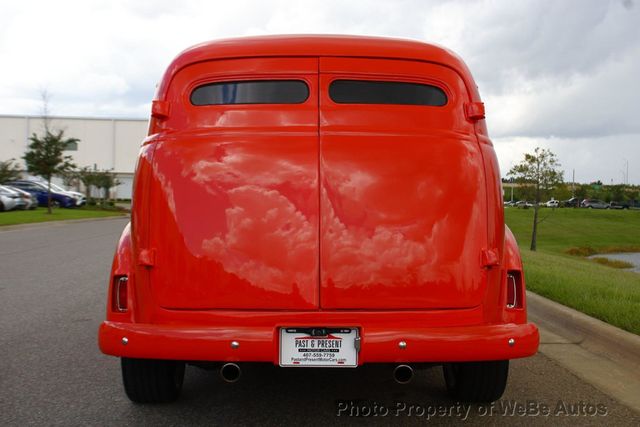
column 378, row 92
column 251, row 92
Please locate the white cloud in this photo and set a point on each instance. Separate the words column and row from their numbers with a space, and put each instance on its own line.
column 592, row 158
column 558, row 73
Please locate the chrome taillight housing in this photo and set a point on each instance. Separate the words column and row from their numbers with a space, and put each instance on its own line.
column 120, row 293
column 515, row 297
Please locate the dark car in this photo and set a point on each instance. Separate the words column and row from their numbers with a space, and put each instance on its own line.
column 619, row 205
column 40, row 191
column 523, row 204
column 594, row 204
column 634, row 204
column 573, row 202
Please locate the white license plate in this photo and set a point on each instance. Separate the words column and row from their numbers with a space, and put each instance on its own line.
column 337, row 348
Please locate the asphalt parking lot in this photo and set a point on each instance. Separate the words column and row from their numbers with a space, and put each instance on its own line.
column 52, row 294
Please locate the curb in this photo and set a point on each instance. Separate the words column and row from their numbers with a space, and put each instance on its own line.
column 58, row 222
column 609, row 341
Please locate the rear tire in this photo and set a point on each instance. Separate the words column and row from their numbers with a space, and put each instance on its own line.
column 479, row 382
column 152, row 381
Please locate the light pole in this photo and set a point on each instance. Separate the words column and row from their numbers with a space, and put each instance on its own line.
column 627, row 174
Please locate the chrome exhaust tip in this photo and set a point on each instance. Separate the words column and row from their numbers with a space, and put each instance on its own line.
column 230, row 372
column 403, row 374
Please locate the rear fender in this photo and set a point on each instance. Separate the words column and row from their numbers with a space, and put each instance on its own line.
column 122, row 266
column 512, row 264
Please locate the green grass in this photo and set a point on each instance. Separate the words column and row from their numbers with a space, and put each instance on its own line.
column 40, row 215
column 567, row 228
column 606, row 293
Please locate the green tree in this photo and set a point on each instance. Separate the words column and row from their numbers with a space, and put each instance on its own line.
column 105, row 180
column 616, row 193
column 582, row 191
column 87, row 176
column 9, row 170
column 539, row 173
column 45, row 157
column 562, row 192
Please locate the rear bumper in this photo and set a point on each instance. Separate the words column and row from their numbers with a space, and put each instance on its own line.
column 260, row 344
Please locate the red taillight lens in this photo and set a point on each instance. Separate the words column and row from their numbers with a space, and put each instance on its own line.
column 120, row 293
column 515, row 297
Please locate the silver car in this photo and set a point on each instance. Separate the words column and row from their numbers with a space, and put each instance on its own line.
column 30, row 200
column 9, row 199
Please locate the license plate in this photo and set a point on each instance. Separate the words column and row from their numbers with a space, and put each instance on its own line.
column 333, row 347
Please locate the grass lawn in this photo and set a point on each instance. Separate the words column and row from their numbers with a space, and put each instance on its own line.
column 607, row 293
column 59, row 214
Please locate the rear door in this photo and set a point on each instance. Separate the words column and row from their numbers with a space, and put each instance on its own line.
column 403, row 199
column 234, row 220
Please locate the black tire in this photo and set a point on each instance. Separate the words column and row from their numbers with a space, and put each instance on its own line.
column 152, row 381
column 55, row 204
column 478, row 382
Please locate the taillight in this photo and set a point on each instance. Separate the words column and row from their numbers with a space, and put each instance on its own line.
column 515, row 297
column 120, row 293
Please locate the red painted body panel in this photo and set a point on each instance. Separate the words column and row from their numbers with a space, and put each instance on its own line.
column 250, row 217
column 398, row 182
column 235, row 216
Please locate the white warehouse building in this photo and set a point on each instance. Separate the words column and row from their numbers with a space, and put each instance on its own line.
column 105, row 143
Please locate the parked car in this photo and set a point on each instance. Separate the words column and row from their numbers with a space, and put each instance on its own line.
column 552, row 203
column 40, row 191
column 524, row 204
column 9, row 199
column 619, row 205
column 509, row 203
column 594, row 204
column 417, row 265
column 81, row 199
column 573, row 202
column 30, row 201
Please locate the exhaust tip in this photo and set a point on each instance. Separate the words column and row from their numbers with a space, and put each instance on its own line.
column 230, row 372
column 403, row 374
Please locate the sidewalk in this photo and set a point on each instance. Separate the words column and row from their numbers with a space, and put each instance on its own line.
column 601, row 354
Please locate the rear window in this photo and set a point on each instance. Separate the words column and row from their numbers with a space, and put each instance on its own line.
column 251, row 92
column 384, row 92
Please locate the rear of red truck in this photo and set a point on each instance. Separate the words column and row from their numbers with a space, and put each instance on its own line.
column 317, row 201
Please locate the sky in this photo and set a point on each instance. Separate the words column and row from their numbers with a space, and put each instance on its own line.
column 563, row 75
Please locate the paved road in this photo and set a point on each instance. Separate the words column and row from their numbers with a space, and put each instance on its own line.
column 52, row 290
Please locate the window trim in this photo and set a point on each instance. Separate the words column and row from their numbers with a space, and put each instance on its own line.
column 197, row 85
column 391, row 79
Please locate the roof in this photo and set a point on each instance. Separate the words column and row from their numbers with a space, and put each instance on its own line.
column 318, row 45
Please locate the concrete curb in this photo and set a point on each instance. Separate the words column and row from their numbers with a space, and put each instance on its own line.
column 604, row 356
column 595, row 335
column 58, row 223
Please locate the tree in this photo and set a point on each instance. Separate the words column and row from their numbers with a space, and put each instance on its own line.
column 539, row 172
column 45, row 157
column 87, row 176
column 105, row 180
column 9, row 171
